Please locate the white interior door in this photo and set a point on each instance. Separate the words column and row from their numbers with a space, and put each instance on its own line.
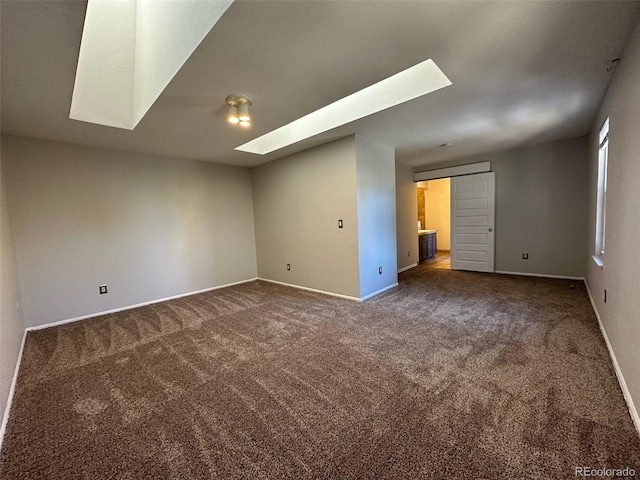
column 473, row 222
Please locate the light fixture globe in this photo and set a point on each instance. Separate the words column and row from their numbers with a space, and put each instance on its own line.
column 232, row 117
column 243, row 112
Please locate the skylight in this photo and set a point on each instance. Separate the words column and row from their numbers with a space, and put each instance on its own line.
column 423, row 78
column 130, row 51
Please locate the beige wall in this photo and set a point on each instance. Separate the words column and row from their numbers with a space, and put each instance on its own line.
column 621, row 273
column 438, row 210
column 406, row 216
column 298, row 201
column 376, row 192
column 149, row 227
column 11, row 325
column 541, row 193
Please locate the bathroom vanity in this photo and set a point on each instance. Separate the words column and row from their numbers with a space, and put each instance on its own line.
column 427, row 244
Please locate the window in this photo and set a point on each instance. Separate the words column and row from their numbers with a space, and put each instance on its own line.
column 601, row 207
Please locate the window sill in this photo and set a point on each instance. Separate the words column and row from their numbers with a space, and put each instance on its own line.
column 598, row 261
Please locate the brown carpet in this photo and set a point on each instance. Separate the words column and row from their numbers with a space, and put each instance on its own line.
column 451, row 375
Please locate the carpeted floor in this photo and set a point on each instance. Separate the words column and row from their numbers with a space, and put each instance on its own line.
column 451, row 375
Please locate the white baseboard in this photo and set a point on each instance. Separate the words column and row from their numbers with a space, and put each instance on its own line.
column 541, row 275
column 623, row 384
column 324, row 292
column 388, row 287
column 7, row 410
column 409, row 267
column 339, row 295
column 129, row 307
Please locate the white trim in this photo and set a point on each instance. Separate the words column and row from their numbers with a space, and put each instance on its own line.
column 324, row 292
column 7, row 410
column 382, row 290
column 129, row 307
column 346, row 297
column 541, row 275
column 468, row 169
column 409, row 267
column 623, row 385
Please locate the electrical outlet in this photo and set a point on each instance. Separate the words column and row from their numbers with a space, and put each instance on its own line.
column 339, row 223
column 525, row 256
column 409, row 253
column 288, row 266
column 103, row 289
column 379, row 270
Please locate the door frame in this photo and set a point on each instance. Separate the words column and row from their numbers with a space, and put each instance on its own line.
column 457, row 171
column 481, row 167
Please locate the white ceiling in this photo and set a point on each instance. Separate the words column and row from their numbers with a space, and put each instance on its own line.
column 522, row 73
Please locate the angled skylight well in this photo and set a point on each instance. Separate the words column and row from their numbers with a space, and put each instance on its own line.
column 414, row 82
column 130, row 51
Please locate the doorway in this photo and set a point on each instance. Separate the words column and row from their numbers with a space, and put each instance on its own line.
column 472, row 193
column 434, row 222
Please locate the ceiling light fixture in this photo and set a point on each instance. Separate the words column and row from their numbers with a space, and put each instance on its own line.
column 239, row 110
